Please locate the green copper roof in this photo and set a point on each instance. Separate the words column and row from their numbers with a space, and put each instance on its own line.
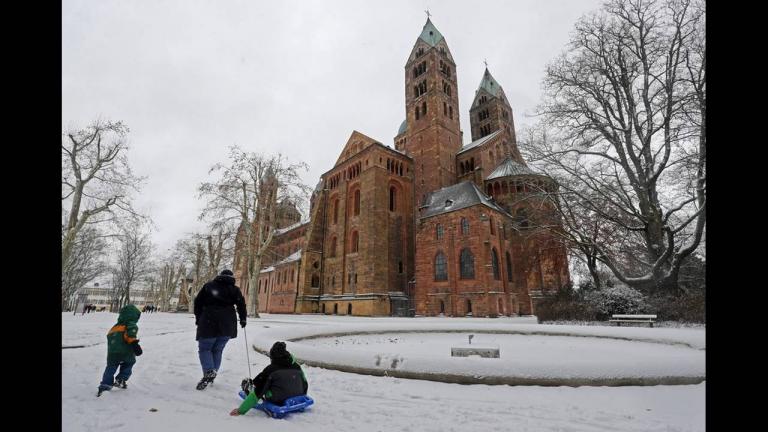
column 489, row 84
column 430, row 34
column 403, row 126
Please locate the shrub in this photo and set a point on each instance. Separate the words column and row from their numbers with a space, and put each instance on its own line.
column 567, row 304
column 619, row 299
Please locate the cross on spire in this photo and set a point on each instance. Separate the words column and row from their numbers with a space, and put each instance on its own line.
column 486, row 63
column 428, row 14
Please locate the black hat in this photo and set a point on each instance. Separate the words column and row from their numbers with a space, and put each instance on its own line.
column 227, row 272
column 278, row 350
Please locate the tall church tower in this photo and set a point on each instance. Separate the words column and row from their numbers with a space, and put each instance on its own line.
column 432, row 133
column 491, row 111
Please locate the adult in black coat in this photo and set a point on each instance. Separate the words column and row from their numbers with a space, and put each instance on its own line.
column 217, row 322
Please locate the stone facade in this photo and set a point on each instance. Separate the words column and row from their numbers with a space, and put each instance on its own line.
column 370, row 246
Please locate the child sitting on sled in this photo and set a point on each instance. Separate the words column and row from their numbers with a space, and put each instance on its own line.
column 281, row 380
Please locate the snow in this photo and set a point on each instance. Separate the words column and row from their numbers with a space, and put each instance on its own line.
column 165, row 376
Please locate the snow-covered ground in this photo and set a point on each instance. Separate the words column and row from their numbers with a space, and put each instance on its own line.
column 165, row 376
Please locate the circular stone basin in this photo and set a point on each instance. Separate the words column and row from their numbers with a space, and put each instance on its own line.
column 515, row 348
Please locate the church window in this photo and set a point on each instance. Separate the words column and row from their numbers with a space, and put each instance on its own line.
column 392, row 198
column 509, row 267
column 315, row 281
column 333, row 247
column 495, row 264
column 441, row 272
column 439, row 230
column 464, row 226
column 357, row 202
column 493, row 232
column 400, row 267
column 445, row 109
column 417, row 112
column 467, row 264
column 450, row 112
column 355, row 242
column 336, row 211
column 423, row 108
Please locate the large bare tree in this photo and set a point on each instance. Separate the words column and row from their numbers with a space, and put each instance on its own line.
column 96, row 180
column 623, row 132
column 246, row 194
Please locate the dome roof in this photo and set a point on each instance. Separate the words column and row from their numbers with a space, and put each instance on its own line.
column 403, row 126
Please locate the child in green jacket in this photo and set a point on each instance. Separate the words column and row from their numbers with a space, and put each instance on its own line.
column 122, row 349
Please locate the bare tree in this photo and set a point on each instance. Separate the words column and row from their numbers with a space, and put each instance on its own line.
column 203, row 255
column 96, row 179
column 84, row 263
column 625, row 112
column 132, row 263
column 247, row 194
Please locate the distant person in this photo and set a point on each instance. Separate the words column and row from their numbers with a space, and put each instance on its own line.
column 282, row 379
column 122, row 349
column 216, row 322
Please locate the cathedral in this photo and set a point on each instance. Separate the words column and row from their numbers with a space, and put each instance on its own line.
column 429, row 226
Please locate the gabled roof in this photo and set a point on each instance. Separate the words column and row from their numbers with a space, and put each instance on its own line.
column 430, row 34
column 510, row 167
column 479, row 142
column 351, row 147
column 457, row 197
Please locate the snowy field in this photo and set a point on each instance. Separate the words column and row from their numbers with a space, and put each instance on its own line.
column 165, row 376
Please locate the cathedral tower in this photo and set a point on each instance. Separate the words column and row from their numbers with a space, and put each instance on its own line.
column 491, row 111
column 431, row 133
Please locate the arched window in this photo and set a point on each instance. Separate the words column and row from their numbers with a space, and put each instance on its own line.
column 493, row 232
column 392, row 198
column 509, row 267
column 357, row 202
column 495, row 264
column 336, row 211
column 333, row 282
column 423, row 108
column 464, row 226
column 349, row 308
column 439, row 230
column 467, row 264
column 333, row 247
column 416, row 110
column 441, row 272
column 355, row 242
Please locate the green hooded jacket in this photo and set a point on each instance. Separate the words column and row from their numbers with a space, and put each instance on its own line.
column 123, row 334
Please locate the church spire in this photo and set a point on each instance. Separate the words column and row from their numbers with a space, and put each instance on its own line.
column 430, row 34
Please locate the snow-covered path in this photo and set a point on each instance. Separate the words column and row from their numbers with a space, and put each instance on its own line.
column 165, row 376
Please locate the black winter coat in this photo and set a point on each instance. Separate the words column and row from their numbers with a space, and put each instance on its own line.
column 215, row 308
column 282, row 379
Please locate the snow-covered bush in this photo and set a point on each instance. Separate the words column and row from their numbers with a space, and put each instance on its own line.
column 619, row 299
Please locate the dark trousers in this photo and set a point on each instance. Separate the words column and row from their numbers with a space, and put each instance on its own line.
column 108, row 379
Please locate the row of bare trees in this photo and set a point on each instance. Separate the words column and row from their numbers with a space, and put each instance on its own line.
column 623, row 133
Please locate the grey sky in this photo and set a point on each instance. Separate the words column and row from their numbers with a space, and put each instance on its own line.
column 191, row 78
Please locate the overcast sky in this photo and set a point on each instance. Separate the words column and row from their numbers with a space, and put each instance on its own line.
column 191, row 78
